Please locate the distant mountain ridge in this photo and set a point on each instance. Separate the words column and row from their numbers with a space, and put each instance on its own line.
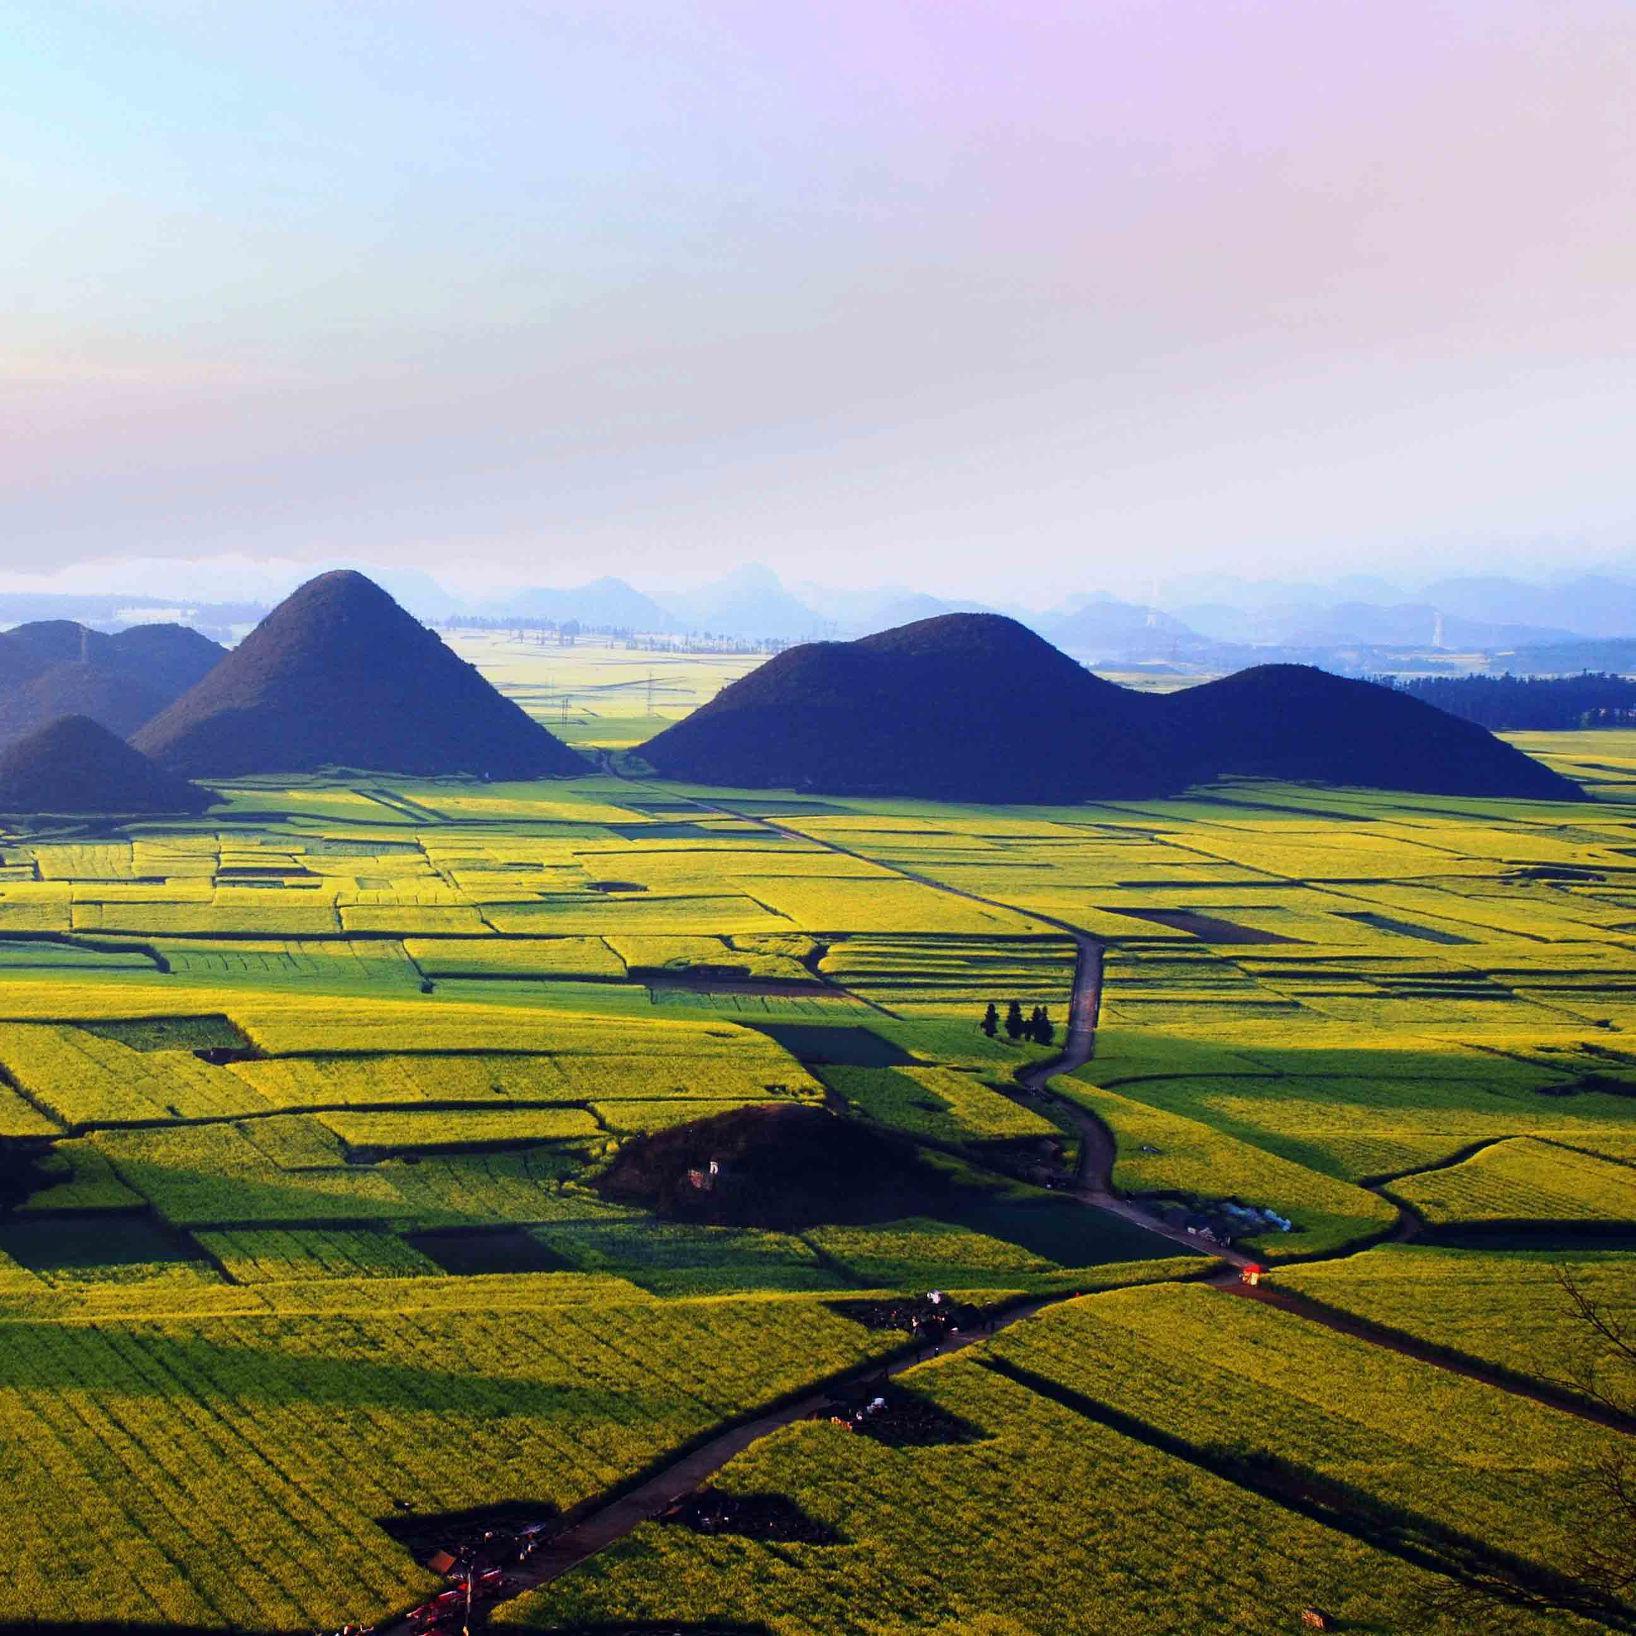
column 606, row 603
column 339, row 675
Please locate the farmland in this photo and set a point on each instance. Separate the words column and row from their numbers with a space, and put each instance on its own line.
column 305, row 1101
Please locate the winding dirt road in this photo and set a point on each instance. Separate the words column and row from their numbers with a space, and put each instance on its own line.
column 604, row 1523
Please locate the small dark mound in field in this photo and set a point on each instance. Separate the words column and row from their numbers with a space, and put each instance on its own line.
column 963, row 707
column 339, row 675
column 906, row 1420
column 777, row 1167
column 773, row 1517
column 74, row 765
column 493, row 1532
column 1298, row 722
column 911, row 1314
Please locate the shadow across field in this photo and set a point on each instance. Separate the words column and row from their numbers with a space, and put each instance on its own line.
column 153, row 1364
column 1412, row 1538
column 50, row 1627
column 849, row 1047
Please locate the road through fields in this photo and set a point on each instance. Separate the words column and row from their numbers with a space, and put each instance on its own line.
column 604, row 1525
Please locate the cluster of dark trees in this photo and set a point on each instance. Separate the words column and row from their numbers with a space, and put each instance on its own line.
column 1529, row 703
column 1036, row 1026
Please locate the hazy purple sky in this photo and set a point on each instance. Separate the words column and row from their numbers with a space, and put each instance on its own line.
column 975, row 296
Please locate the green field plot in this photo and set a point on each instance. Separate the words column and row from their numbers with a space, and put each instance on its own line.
column 1523, row 1180
column 34, row 954
column 216, row 1175
column 83, row 1078
column 601, row 914
column 455, row 1128
column 938, row 1104
column 675, row 1260
column 409, row 920
column 450, row 1078
column 75, row 1176
column 274, row 1256
column 920, row 1253
column 740, row 957
column 187, row 1473
column 1161, row 1153
column 35, row 906
column 855, row 1046
column 515, row 957
column 742, row 1077
column 1404, row 1438
column 335, row 962
column 20, row 1117
column 103, row 1249
column 840, row 904
column 952, row 975
column 1503, row 1308
column 636, row 1115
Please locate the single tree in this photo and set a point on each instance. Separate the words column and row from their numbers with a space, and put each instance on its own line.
column 1045, row 1031
column 991, row 1020
column 1015, row 1025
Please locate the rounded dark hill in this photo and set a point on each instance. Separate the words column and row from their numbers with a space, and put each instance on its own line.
column 61, row 641
column 75, row 765
column 1298, row 722
column 166, row 657
column 19, row 662
column 784, row 1167
column 962, row 707
column 55, row 667
column 169, row 658
column 339, row 675
column 112, row 698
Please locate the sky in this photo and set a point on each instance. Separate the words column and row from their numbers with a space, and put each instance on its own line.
column 994, row 299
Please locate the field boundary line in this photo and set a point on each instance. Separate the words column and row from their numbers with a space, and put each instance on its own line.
column 1316, row 1310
